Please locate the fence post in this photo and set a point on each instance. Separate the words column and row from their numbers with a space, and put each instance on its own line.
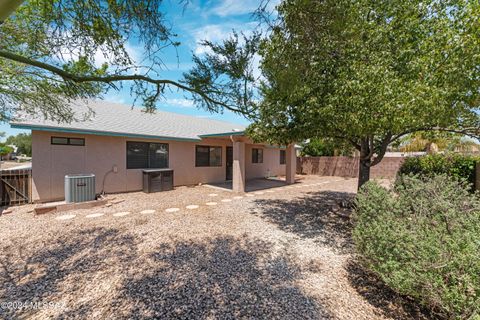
column 477, row 175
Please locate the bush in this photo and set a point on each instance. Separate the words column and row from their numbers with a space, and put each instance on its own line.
column 423, row 240
column 455, row 165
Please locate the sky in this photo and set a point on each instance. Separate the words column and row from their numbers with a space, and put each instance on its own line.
column 200, row 20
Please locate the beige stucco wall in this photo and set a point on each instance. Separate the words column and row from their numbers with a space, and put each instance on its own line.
column 271, row 162
column 101, row 153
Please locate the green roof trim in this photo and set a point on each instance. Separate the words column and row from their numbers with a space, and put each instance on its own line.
column 233, row 133
column 99, row 133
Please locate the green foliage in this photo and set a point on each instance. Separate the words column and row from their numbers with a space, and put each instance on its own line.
column 23, row 142
column 456, row 165
column 423, row 240
column 445, row 141
column 354, row 69
column 226, row 73
column 68, row 35
column 4, row 149
column 367, row 72
column 326, row 147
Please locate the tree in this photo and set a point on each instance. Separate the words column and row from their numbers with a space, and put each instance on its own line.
column 23, row 142
column 369, row 72
column 48, row 50
column 326, row 147
column 4, row 150
column 445, row 141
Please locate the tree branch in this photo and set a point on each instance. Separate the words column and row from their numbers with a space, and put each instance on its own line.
column 383, row 148
column 108, row 79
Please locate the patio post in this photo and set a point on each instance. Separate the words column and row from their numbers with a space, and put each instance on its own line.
column 238, row 177
column 291, row 163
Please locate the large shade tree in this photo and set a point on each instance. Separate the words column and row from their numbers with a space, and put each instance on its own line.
column 49, row 52
column 368, row 72
column 23, row 142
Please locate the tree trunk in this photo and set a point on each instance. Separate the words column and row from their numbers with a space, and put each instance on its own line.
column 363, row 172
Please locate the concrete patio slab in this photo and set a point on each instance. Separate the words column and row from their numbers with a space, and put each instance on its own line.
column 251, row 185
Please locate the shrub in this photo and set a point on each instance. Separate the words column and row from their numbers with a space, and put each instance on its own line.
column 423, row 240
column 455, row 165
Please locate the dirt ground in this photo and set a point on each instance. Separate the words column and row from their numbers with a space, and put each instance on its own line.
column 12, row 164
column 284, row 253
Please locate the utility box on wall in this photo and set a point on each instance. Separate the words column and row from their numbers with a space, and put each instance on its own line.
column 79, row 187
column 155, row 180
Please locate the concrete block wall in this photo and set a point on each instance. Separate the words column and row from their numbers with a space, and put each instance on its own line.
column 346, row 166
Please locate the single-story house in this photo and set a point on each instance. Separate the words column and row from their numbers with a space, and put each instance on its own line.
column 116, row 142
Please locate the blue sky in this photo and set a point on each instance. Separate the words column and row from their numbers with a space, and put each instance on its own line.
column 200, row 19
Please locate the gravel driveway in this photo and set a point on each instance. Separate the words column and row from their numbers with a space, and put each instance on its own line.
column 282, row 254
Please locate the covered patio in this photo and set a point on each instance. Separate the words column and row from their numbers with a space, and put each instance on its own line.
column 245, row 174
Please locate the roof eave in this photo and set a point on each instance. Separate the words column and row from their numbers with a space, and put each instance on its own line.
column 222, row 134
column 17, row 125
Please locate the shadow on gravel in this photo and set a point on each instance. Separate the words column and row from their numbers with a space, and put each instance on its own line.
column 222, row 278
column 311, row 216
column 105, row 273
column 392, row 304
column 39, row 272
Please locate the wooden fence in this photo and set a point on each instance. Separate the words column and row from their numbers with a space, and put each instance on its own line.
column 15, row 187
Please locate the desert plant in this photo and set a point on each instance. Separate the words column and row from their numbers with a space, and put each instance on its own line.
column 423, row 240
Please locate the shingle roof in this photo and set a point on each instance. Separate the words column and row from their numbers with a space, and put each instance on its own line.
column 117, row 119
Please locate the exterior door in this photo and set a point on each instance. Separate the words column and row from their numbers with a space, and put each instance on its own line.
column 229, row 165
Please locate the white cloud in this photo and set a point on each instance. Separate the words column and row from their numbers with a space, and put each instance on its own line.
column 181, row 103
column 213, row 33
column 101, row 57
column 235, row 7
column 132, row 50
column 240, row 7
column 219, row 32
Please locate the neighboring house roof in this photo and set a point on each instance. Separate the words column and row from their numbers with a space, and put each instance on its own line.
column 115, row 119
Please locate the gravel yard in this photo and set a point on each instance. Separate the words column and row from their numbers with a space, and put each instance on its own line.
column 281, row 254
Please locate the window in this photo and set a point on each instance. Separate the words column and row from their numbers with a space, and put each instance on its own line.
column 257, row 155
column 67, row 141
column 144, row 155
column 207, row 156
column 283, row 156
